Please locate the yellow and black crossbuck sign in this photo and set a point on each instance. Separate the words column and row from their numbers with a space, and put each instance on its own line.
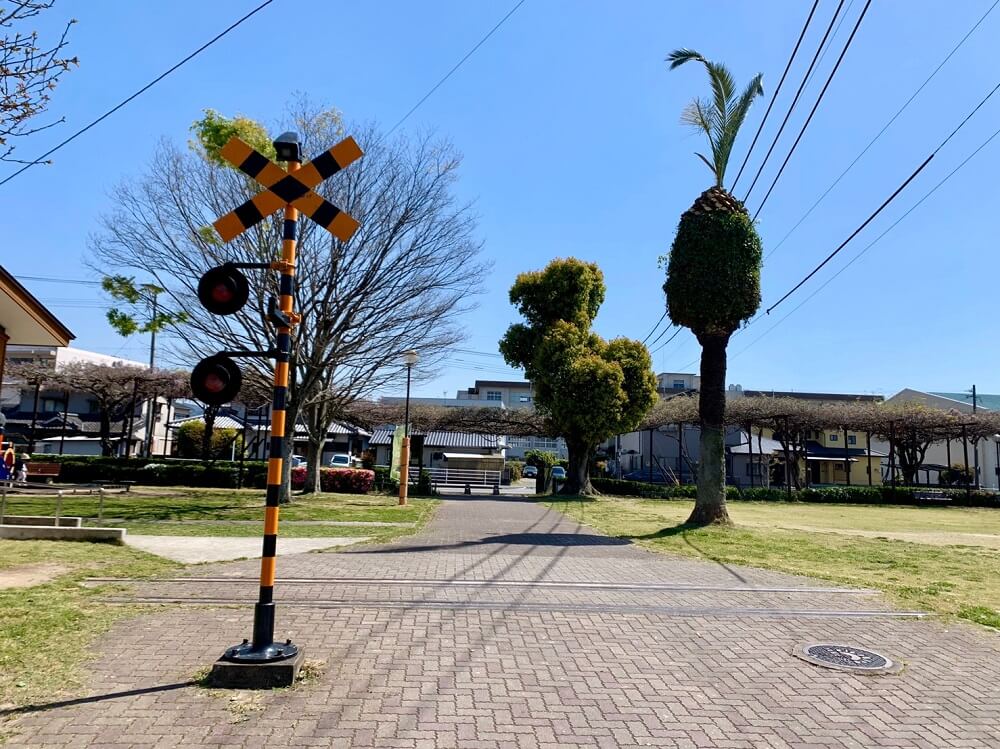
column 284, row 189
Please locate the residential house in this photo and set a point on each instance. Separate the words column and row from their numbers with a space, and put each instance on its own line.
column 461, row 450
column 68, row 422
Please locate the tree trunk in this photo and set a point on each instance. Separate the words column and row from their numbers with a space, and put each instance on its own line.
column 314, row 458
column 291, row 418
column 710, row 504
column 107, row 449
column 578, row 473
column 206, row 436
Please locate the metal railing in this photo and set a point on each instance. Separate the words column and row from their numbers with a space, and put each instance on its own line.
column 460, row 476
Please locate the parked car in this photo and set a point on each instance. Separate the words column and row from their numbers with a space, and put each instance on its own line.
column 299, row 462
column 558, row 473
column 529, row 472
column 343, row 460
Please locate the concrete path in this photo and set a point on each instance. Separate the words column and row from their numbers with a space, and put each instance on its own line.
column 194, row 549
column 507, row 625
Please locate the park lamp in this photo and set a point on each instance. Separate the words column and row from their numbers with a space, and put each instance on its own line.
column 410, row 359
column 286, row 147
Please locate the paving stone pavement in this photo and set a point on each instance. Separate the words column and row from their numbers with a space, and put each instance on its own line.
column 505, row 624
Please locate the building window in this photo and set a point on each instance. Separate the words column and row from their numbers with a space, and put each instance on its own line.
column 494, row 395
column 51, row 404
column 679, row 384
column 524, row 399
column 833, row 438
column 852, row 440
column 756, row 468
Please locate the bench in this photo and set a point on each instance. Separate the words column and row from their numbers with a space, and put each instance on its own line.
column 931, row 496
column 48, row 472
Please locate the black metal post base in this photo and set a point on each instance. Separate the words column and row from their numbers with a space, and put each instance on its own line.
column 257, row 674
column 248, row 652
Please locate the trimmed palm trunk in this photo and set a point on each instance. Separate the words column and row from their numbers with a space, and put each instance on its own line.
column 710, row 506
column 713, row 272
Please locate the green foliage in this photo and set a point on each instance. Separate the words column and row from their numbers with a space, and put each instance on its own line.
column 191, row 434
column 721, row 117
column 124, row 289
column 827, row 494
column 713, row 272
column 85, row 469
column 586, row 388
column 539, row 458
column 214, row 130
column 516, row 468
column 957, row 475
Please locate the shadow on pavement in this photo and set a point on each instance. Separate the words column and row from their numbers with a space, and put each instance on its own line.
column 507, row 539
column 37, row 708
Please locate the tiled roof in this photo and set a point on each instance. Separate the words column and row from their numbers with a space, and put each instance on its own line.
column 813, row 396
column 442, row 439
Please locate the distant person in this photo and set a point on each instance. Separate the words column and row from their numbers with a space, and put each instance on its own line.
column 8, row 463
column 21, row 468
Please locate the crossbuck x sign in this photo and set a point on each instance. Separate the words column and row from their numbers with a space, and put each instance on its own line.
column 284, row 188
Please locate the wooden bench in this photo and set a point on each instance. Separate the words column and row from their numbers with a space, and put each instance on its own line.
column 48, row 472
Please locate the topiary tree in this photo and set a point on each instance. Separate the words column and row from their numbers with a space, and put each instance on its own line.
column 713, row 272
column 588, row 389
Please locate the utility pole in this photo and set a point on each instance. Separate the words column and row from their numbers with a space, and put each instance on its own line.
column 150, row 419
column 975, row 451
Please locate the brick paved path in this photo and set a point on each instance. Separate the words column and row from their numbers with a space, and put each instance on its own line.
column 505, row 624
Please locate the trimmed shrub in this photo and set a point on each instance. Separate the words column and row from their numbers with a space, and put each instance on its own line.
column 85, row 469
column 516, row 470
column 342, row 480
column 905, row 495
column 384, row 482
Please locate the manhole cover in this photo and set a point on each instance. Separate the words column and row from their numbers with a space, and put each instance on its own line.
column 847, row 658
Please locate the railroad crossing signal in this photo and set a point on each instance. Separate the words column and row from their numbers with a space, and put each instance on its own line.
column 285, row 188
column 224, row 290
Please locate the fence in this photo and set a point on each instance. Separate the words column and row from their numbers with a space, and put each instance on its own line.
column 461, row 477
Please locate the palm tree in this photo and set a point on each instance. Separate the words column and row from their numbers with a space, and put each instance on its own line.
column 713, row 271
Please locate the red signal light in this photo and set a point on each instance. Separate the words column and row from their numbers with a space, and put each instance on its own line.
column 223, row 290
column 216, row 380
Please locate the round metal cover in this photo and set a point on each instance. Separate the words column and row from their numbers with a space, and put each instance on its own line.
column 847, row 658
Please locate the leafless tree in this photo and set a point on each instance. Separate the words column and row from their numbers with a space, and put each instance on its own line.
column 29, row 71
column 400, row 283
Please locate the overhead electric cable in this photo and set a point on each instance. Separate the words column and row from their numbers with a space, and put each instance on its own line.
column 874, row 241
column 884, row 128
column 774, row 96
column 812, row 112
column 662, row 333
column 142, row 90
column 888, row 200
column 655, row 327
column 676, row 332
column 49, row 279
column 457, row 65
column 795, row 101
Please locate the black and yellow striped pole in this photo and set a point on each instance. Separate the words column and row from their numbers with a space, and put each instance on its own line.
column 217, row 379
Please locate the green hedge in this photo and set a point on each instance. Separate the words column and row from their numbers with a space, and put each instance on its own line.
column 85, row 469
column 831, row 494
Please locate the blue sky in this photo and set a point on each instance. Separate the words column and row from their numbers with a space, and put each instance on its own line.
column 568, row 120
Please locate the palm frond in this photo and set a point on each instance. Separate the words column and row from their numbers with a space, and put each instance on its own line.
column 737, row 115
column 680, row 56
column 708, row 163
column 721, row 117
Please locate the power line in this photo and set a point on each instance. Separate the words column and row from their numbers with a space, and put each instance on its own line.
column 888, row 200
column 873, row 242
column 662, row 333
column 884, row 128
column 661, row 320
column 795, row 101
column 774, row 97
column 676, row 332
column 805, row 125
column 49, row 279
column 457, row 65
column 142, row 90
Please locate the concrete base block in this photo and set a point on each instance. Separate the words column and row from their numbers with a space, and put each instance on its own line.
column 229, row 675
column 53, row 533
column 64, row 522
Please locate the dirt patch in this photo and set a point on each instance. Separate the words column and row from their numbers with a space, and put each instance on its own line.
column 27, row 575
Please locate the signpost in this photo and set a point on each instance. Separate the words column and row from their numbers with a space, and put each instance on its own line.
column 260, row 662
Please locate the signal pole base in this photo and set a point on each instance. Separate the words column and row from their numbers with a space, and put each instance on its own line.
column 241, row 667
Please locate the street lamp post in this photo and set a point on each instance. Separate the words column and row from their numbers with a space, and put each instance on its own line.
column 996, row 469
column 409, row 358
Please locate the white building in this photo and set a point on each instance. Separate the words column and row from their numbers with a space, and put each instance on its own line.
column 68, row 422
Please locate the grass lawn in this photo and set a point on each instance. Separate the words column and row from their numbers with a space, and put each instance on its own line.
column 170, row 503
column 948, row 562
column 46, row 630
